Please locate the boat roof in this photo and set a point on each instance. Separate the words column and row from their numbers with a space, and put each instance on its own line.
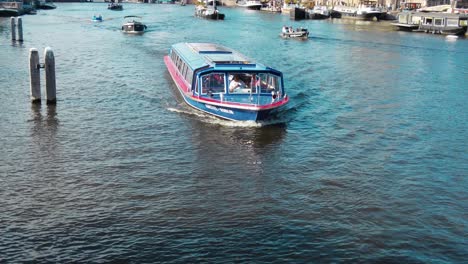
column 199, row 55
column 434, row 15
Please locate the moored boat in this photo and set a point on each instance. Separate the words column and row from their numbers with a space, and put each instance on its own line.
column 222, row 82
column 319, row 12
column 366, row 10
column 249, row 4
column 11, row 8
column 433, row 22
column 46, row 5
column 133, row 25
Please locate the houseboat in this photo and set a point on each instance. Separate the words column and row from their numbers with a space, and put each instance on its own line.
column 224, row 83
column 433, row 22
column 444, row 23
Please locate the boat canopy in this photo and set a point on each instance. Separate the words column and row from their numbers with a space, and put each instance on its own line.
column 199, row 55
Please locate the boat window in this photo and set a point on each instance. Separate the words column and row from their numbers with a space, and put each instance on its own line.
column 189, row 76
column 452, row 22
column 428, row 21
column 184, row 69
column 248, row 81
column 213, row 83
column 438, row 21
column 269, row 83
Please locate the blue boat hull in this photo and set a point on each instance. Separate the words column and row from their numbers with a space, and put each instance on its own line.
column 230, row 113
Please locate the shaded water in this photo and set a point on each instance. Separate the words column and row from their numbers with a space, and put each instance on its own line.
column 369, row 163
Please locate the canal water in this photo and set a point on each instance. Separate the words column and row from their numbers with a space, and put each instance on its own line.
column 368, row 164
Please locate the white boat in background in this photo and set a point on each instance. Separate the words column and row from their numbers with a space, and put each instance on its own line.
column 11, row 8
column 249, row 4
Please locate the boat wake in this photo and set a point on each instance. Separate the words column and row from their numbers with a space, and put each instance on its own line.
column 206, row 118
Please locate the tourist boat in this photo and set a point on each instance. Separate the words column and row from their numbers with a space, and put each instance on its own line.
column 133, row 25
column 209, row 11
column 97, row 18
column 222, row 82
column 115, row 7
column 249, row 4
column 299, row 33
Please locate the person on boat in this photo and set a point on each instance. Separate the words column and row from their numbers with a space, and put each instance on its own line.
column 285, row 29
column 236, row 83
column 291, row 30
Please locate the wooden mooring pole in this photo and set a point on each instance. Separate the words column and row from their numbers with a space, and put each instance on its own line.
column 16, row 24
column 13, row 28
column 35, row 76
column 20, row 28
column 49, row 66
column 34, row 73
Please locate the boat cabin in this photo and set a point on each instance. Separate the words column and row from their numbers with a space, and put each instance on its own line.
column 223, row 74
column 443, row 23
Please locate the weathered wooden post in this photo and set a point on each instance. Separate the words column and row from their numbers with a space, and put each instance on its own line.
column 20, row 29
column 34, row 74
column 49, row 66
column 13, row 28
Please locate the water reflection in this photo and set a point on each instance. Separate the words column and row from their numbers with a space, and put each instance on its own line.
column 247, row 145
column 44, row 128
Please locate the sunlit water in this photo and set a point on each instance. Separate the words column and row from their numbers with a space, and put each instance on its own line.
column 369, row 162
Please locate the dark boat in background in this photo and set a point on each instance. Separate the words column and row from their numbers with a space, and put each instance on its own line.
column 133, row 25
column 115, row 6
column 45, row 5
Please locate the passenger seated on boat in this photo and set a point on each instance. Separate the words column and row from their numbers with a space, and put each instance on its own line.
column 284, row 29
column 236, row 83
column 213, row 82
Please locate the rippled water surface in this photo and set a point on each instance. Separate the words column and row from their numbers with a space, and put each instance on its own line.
column 368, row 164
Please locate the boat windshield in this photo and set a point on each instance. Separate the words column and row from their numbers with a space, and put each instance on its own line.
column 240, row 82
